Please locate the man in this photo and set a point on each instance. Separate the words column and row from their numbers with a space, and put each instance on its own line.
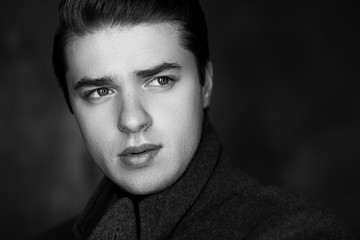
column 136, row 75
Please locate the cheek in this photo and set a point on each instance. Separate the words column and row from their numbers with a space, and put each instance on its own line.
column 96, row 126
column 180, row 118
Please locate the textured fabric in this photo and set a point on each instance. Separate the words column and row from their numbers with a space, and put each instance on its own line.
column 211, row 200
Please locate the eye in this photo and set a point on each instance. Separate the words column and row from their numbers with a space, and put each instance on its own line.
column 98, row 93
column 161, row 82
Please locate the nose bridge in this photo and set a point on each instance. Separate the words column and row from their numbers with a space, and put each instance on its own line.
column 133, row 117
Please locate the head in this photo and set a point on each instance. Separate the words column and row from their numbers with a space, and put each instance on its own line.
column 81, row 17
column 136, row 75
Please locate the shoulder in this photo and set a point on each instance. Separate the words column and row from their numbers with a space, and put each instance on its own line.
column 62, row 231
column 235, row 206
column 278, row 214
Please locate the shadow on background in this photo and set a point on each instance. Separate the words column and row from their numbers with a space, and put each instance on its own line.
column 286, row 106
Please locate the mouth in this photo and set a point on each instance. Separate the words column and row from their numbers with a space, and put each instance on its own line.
column 141, row 149
column 139, row 156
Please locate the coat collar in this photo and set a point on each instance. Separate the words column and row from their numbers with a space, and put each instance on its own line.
column 107, row 215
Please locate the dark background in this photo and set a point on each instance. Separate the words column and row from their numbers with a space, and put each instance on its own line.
column 285, row 104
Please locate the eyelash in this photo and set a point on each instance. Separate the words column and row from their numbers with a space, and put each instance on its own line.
column 88, row 94
column 169, row 79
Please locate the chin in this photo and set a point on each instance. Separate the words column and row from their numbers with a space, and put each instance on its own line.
column 145, row 186
column 144, row 189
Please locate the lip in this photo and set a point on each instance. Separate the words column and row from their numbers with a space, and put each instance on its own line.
column 141, row 156
column 140, row 149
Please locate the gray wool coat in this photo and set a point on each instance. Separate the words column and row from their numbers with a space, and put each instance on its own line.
column 211, row 200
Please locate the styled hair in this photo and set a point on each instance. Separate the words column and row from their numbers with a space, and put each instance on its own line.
column 81, row 17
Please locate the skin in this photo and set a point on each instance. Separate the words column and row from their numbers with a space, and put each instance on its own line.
column 126, row 108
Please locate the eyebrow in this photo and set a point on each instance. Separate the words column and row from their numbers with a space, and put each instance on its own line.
column 157, row 69
column 92, row 82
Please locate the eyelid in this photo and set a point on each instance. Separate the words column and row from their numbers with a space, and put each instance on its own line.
column 87, row 94
column 171, row 79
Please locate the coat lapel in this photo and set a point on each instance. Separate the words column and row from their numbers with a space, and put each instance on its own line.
column 119, row 222
column 160, row 212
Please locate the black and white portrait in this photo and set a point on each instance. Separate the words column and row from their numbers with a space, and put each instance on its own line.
column 179, row 119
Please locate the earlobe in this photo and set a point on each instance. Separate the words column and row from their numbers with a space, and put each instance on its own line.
column 208, row 85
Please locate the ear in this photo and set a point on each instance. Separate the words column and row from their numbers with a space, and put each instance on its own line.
column 208, row 84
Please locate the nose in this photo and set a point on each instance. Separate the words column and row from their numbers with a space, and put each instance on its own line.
column 133, row 117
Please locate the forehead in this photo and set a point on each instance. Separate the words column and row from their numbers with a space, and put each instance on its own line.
column 117, row 49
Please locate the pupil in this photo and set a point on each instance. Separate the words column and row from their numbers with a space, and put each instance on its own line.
column 103, row 91
column 163, row 81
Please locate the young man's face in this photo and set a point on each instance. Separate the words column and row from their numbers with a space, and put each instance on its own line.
column 136, row 96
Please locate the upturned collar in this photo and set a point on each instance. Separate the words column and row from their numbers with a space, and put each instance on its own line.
column 156, row 215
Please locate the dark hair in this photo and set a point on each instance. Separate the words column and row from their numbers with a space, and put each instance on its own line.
column 80, row 17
